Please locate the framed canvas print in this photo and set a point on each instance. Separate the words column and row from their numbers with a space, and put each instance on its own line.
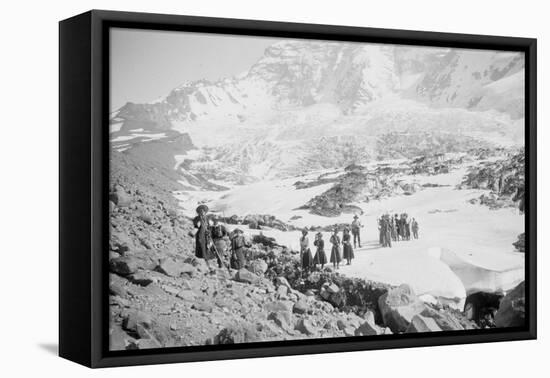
column 234, row 188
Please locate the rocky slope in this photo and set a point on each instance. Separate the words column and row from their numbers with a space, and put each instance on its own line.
column 162, row 296
column 504, row 178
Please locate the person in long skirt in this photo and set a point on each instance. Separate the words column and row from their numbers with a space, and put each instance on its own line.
column 335, row 256
column 348, row 249
column 203, row 239
column 320, row 255
column 305, row 252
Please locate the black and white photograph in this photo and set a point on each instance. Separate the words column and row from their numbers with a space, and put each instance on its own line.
column 271, row 189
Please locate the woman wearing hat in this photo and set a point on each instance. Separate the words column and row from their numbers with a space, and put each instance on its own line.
column 348, row 249
column 320, row 255
column 203, row 240
column 238, row 249
column 305, row 252
column 335, row 256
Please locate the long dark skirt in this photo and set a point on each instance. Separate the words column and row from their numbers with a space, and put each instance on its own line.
column 320, row 257
column 201, row 249
column 238, row 259
column 307, row 258
column 335, row 256
column 348, row 252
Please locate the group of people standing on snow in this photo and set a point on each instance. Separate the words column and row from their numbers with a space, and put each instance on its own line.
column 396, row 228
column 341, row 249
column 214, row 241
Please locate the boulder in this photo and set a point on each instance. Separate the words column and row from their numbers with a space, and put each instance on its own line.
column 282, row 318
column 279, row 306
column 300, row 307
column 116, row 285
column 421, row 323
column 118, row 339
column 282, row 291
column 136, row 319
column 398, row 306
column 170, row 267
column 237, row 334
column 119, row 197
column 368, row 329
column 258, row 267
column 126, row 265
column 142, row 278
column 186, row 295
column 444, row 320
column 305, row 327
column 511, row 312
column 282, row 281
column 246, row 276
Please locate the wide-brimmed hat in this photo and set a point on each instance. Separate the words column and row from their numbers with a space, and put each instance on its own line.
column 202, row 207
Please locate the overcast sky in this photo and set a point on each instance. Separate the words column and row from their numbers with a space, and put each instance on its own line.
column 146, row 64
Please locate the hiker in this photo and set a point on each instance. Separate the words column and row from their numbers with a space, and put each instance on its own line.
column 385, row 232
column 320, row 255
column 238, row 249
column 414, row 225
column 219, row 237
column 407, row 227
column 348, row 250
column 356, row 231
column 380, row 233
column 203, row 240
column 335, row 256
column 393, row 232
column 397, row 226
column 402, row 221
column 305, row 253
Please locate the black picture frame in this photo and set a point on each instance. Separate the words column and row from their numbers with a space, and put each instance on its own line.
column 83, row 181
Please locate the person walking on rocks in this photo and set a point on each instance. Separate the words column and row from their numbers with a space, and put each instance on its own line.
column 203, row 239
column 348, row 250
column 220, row 236
column 238, row 249
column 335, row 256
column 356, row 231
column 320, row 255
column 414, row 226
column 305, row 253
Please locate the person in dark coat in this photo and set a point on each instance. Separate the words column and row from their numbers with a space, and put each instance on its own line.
column 335, row 256
column 203, row 240
column 238, row 249
column 320, row 255
column 348, row 249
column 305, row 252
